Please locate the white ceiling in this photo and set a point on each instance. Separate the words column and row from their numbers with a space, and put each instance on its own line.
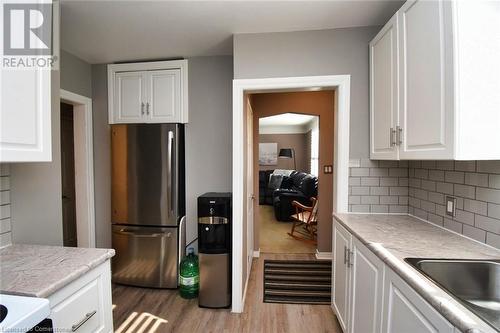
column 287, row 123
column 286, row 119
column 111, row 31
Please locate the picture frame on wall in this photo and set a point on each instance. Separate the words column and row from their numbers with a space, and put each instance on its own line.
column 268, row 153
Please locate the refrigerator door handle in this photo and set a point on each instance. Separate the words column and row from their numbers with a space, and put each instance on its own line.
column 169, row 172
column 144, row 234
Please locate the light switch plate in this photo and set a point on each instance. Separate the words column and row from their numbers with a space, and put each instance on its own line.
column 451, row 205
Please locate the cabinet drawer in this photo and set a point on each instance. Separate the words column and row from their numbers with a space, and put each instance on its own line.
column 80, row 312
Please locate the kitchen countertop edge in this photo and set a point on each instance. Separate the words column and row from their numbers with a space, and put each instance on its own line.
column 448, row 311
column 76, row 274
column 60, row 283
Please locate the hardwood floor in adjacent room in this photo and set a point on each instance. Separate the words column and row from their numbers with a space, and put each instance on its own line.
column 274, row 238
column 158, row 310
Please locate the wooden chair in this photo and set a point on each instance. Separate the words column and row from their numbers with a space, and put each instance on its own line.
column 307, row 218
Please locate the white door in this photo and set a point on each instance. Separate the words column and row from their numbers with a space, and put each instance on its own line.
column 342, row 242
column 130, row 97
column 250, row 194
column 367, row 285
column 384, row 92
column 425, row 84
column 164, row 100
column 405, row 311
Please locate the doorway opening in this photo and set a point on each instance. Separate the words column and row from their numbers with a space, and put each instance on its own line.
column 68, row 175
column 243, row 193
column 287, row 151
column 77, row 170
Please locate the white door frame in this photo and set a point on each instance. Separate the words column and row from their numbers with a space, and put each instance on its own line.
column 84, row 167
column 341, row 83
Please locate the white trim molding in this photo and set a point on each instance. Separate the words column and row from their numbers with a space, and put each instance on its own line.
column 84, row 167
column 339, row 83
column 323, row 255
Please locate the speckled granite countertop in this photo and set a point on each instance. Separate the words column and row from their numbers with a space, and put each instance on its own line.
column 39, row 271
column 395, row 237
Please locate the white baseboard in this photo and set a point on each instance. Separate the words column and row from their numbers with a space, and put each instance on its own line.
column 323, row 255
column 256, row 254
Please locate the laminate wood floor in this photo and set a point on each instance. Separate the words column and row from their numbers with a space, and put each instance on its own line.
column 138, row 310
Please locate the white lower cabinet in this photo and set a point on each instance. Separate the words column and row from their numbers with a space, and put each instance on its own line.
column 367, row 278
column 406, row 311
column 84, row 306
column 369, row 297
column 340, row 292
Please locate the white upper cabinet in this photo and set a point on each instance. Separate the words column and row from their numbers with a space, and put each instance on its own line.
column 425, row 85
column 129, row 96
column 383, row 94
column 165, row 96
column 154, row 92
column 26, row 102
column 447, row 82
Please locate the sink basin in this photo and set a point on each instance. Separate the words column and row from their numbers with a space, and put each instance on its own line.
column 474, row 283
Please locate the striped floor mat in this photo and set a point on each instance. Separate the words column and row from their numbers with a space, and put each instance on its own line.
column 297, row 281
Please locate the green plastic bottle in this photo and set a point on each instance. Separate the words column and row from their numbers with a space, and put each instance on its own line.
column 189, row 276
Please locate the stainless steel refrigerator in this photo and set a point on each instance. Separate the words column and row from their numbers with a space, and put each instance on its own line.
column 148, row 204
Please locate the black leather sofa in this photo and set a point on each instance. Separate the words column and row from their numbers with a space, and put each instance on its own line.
column 299, row 186
column 265, row 192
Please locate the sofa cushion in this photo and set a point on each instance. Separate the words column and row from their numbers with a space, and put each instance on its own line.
column 308, row 185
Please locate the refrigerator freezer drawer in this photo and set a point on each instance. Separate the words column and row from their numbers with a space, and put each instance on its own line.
column 145, row 256
column 215, row 282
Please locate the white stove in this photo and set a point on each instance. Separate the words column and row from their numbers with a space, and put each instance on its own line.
column 21, row 314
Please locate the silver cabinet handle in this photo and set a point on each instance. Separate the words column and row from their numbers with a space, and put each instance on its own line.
column 349, row 258
column 346, row 251
column 142, row 108
column 147, row 108
column 392, row 136
column 399, row 135
column 83, row 321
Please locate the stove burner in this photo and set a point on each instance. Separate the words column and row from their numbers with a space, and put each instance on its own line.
column 3, row 312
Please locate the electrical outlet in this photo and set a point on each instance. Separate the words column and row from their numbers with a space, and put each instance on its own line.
column 328, row 169
column 451, row 204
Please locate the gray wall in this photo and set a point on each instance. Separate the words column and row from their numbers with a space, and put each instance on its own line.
column 209, row 132
column 208, row 139
column 36, row 204
column 38, row 185
column 76, row 75
column 102, row 156
column 299, row 142
column 322, row 52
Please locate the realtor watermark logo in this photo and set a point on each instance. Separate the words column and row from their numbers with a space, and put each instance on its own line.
column 27, row 35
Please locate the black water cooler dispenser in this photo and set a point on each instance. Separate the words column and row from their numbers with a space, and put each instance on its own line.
column 214, row 249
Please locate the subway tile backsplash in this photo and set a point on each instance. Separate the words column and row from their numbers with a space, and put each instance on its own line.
column 378, row 186
column 475, row 186
column 5, row 224
column 420, row 189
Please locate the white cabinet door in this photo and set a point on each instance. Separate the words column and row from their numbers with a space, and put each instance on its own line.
column 129, row 97
column 25, row 115
column 367, row 285
column 341, row 275
column 405, row 311
column 425, row 83
column 164, row 96
column 384, row 92
column 85, row 304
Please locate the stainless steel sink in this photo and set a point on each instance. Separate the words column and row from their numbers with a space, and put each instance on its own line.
column 474, row 283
